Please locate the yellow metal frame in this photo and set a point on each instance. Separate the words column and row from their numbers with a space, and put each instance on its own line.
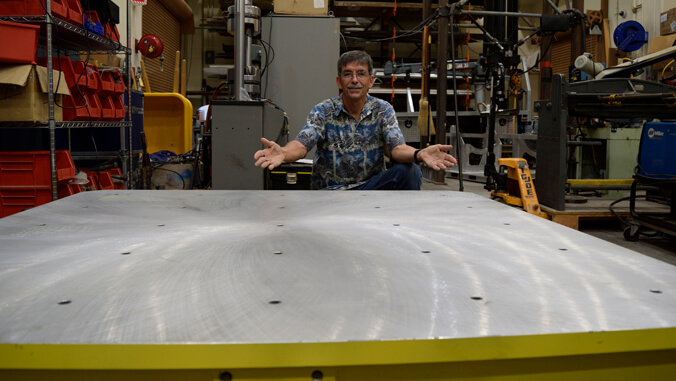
column 284, row 172
column 599, row 181
column 634, row 354
column 521, row 191
column 167, row 122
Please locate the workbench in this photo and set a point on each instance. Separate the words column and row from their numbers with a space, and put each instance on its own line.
column 335, row 285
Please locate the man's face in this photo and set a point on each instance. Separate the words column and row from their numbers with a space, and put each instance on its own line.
column 355, row 81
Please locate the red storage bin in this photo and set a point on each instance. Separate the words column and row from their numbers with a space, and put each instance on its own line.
column 92, row 74
column 33, row 168
column 117, row 172
column 95, row 106
column 100, row 180
column 120, row 86
column 106, row 180
column 75, row 14
column 67, row 189
column 72, row 110
column 107, row 83
column 107, row 108
column 33, row 7
column 93, row 183
column 120, row 110
column 84, row 82
column 18, row 42
column 110, row 32
column 16, row 199
column 93, row 70
column 72, row 78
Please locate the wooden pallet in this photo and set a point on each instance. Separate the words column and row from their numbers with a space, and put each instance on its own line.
column 597, row 209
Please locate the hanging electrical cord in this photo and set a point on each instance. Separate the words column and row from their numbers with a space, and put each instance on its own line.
column 342, row 37
column 267, row 63
column 537, row 63
column 285, row 124
column 268, row 55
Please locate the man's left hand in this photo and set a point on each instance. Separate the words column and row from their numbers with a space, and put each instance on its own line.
column 437, row 158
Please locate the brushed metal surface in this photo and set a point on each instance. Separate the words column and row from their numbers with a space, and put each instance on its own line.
column 300, row 266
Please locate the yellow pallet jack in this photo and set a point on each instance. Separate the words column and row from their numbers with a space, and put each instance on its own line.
column 519, row 190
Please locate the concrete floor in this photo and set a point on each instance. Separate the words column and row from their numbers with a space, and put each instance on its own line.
column 661, row 247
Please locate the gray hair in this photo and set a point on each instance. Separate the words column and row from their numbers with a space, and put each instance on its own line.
column 358, row 56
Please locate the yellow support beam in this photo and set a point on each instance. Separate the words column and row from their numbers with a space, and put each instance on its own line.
column 646, row 353
column 599, row 181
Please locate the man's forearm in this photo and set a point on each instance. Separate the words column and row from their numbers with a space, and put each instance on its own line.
column 293, row 151
column 403, row 154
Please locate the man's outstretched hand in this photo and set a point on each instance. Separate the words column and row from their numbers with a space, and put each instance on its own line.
column 270, row 157
column 437, row 158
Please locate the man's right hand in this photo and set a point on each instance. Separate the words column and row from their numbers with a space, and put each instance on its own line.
column 270, row 157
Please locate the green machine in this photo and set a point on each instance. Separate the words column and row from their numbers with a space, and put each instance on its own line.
column 612, row 156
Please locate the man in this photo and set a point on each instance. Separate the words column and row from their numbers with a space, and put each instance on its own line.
column 353, row 132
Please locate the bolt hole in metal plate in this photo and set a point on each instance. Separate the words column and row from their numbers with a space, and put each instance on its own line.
column 353, row 276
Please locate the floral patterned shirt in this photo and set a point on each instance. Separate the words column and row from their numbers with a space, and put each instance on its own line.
column 349, row 151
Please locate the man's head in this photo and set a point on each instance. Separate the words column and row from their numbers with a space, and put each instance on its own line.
column 357, row 56
column 355, row 77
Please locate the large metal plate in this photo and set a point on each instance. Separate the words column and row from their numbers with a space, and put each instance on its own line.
column 207, row 267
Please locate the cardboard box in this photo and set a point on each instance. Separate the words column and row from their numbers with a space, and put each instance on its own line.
column 668, row 22
column 660, row 43
column 103, row 59
column 301, row 7
column 23, row 94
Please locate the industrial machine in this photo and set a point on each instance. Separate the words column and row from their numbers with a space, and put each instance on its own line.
column 499, row 73
column 244, row 23
column 236, row 131
column 234, row 126
column 656, row 167
column 293, row 83
column 602, row 98
column 614, row 94
column 274, row 106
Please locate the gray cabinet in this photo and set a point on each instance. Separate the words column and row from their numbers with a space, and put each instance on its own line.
column 305, row 51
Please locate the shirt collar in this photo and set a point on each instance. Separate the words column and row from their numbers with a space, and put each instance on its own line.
column 365, row 111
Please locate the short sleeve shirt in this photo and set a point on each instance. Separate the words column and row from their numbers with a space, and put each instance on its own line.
column 349, row 151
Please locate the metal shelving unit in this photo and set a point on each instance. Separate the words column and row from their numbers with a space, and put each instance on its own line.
column 70, row 124
column 73, row 36
column 70, row 37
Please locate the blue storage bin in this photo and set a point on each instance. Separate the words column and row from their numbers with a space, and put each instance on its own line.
column 91, row 23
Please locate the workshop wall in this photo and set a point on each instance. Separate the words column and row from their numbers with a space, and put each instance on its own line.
column 135, row 20
column 158, row 20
